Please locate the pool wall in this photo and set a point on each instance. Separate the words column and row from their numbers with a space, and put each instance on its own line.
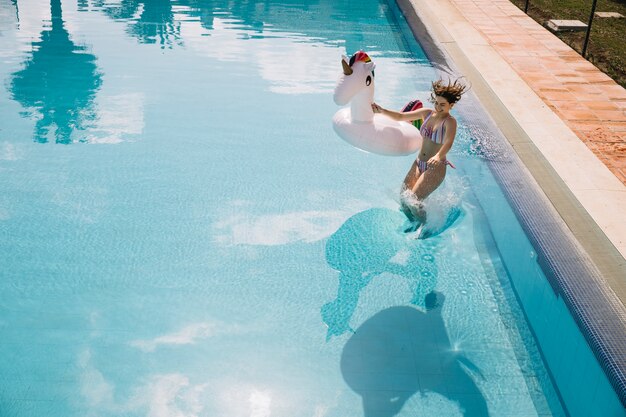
column 583, row 386
column 577, row 320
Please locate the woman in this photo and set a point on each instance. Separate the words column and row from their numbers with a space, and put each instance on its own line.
column 438, row 131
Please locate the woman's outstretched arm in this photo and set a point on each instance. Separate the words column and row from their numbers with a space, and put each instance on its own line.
column 406, row 117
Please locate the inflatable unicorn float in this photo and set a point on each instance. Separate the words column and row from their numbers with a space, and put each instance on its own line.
column 358, row 124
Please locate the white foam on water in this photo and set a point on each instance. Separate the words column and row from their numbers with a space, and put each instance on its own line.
column 438, row 206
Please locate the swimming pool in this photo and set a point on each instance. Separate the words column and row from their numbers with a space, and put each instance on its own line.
column 183, row 234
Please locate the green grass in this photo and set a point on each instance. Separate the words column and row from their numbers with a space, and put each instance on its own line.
column 607, row 41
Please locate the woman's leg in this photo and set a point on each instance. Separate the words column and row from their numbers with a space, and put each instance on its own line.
column 429, row 181
column 409, row 182
column 426, row 183
column 411, row 177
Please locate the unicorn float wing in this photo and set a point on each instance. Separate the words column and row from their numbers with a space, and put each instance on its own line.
column 358, row 124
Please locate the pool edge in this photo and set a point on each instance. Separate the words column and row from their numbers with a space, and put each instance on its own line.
column 607, row 257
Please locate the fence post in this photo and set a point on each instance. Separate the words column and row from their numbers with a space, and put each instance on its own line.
column 526, row 7
column 593, row 11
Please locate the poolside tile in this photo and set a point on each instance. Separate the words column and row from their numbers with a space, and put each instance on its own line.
column 583, row 126
column 601, row 134
column 527, row 66
column 586, row 88
column 560, row 70
column 613, row 92
column 567, row 104
column 551, row 94
column 569, row 80
column 583, row 97
column 610, row 115
column 610, row 149
column 601, row 105
column 576, row 114
column 617, row 126
column 542, row 83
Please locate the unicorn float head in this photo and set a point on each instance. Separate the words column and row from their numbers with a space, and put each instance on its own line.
column 357, row 124
column 356, row 86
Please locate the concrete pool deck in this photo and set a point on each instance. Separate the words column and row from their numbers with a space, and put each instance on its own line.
column 547, row 100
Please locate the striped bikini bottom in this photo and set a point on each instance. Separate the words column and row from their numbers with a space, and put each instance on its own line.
column 422, row 166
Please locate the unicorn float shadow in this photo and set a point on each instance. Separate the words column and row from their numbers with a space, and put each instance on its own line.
column 401, row 351
column 367, row 245
column 358, row 125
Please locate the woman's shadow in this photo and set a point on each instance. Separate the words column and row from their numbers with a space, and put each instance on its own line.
column 401, row 351
column 368, row 244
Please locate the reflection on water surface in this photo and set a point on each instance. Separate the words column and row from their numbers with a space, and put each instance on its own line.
column 58, row 82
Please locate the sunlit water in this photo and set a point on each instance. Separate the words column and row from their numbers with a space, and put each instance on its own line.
column 182, row 233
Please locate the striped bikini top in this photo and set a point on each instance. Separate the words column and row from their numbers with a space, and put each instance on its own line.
column 428, row 132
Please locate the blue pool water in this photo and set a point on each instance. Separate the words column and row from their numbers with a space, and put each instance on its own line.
column 182, row 234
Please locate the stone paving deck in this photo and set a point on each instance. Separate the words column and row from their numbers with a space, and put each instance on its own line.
column 587, row 100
